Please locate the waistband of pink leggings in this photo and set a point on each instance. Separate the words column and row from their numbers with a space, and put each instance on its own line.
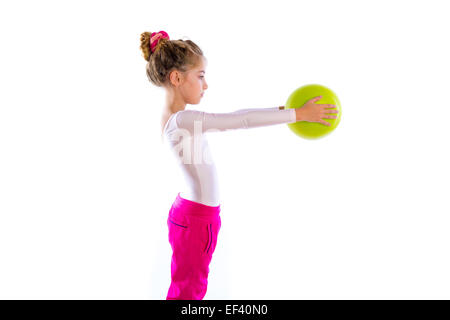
column 195, row 208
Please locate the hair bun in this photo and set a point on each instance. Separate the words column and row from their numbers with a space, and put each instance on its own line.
column 145, row 45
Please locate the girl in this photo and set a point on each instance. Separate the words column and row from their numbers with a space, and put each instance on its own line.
column 194, row 221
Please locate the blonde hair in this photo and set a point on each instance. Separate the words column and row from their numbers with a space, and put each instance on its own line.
column 169, row 55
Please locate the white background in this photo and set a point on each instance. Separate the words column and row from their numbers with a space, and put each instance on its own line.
column 86, row 185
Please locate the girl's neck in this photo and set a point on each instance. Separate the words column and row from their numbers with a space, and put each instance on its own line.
column 174, row 103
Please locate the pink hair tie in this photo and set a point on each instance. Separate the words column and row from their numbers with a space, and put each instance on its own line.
column 155, row 37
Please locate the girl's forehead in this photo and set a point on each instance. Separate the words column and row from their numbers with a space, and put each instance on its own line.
column 202, row 64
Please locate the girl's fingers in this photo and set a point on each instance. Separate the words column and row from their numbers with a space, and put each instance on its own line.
column 330, row 117
column 329, row 106
column 325, row 123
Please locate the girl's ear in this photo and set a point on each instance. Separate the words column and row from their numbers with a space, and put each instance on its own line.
column 175, row 77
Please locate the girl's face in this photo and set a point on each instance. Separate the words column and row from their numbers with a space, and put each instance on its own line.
column 194, row 84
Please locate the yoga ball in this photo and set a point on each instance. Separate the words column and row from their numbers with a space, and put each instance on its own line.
column 313, row 130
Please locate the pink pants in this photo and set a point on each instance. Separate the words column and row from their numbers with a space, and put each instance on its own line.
column 193, row 231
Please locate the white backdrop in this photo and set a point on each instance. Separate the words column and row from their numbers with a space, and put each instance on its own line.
column 86, row 185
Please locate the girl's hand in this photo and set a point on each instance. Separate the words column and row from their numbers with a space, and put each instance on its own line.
column 312, row 112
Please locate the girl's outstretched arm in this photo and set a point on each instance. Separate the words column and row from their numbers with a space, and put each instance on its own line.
column 257, row 117
column 199, row 121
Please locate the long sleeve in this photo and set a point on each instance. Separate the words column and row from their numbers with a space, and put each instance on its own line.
column 240, row 119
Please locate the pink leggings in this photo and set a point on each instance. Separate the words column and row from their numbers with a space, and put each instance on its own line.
column 193, row 231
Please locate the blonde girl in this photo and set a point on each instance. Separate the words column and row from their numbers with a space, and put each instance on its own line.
column 194, row 220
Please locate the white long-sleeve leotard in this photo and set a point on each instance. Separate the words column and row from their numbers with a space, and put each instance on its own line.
column 185, row 132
